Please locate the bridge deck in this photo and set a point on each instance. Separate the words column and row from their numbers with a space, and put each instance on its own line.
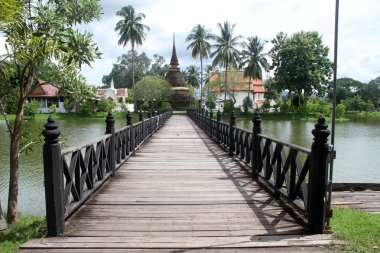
column 181, row 193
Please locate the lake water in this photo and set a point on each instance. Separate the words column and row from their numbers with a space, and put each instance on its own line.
column 357, row 145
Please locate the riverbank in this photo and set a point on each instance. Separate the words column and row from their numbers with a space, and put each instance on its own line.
column 27, row 228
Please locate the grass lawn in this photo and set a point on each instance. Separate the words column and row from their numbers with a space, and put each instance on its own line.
column 360, row 229
column 28, row 227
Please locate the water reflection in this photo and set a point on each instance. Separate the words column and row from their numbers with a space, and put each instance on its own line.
column 357, row 142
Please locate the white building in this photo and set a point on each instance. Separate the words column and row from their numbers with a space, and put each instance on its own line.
column 47, row 95
column 118, row 96
column 239, row 87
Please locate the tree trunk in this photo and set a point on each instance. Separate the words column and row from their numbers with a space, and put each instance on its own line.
column 201, row 78
column 133, row 78
column 14, row 154
column 225, row 83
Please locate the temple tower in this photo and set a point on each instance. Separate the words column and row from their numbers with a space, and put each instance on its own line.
column 181, row 96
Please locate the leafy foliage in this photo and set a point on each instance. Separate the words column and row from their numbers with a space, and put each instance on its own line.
column 44, row 33
column 226, row 53
column 152, row 88
column 247, row 104
column 301, row 63
column 192, row 76
column 200, row 46
column 31, row 108
column 121, row 72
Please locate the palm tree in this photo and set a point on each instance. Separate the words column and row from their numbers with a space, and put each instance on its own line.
column 131, row 30
column 254, row 59
column 192, row 76
column 226, row 54
column 199, row 37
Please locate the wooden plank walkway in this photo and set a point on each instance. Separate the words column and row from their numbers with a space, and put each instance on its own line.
column 181, row 193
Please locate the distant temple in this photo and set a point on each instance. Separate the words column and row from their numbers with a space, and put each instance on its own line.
column 181, row 96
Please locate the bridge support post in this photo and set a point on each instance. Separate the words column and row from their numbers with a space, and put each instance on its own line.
column 110, row 129
column 150, row 122
column 211, row 128
column 218, row 119
column 256, row 152
column 53, row 177
column 316, row 203
column 131, row 144
column 232, row 137
column 141, row 118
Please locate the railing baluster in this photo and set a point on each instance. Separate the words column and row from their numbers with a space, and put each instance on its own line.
column 218, row 119
column 316, row 205
column 256, row 152
column 53, row 178
column 110, row 129
column 232, row 129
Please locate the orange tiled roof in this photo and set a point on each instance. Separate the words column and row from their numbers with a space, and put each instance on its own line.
column 241, row 83
column 45, row 89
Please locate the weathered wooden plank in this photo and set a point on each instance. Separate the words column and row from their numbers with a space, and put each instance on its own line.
column 181, row 192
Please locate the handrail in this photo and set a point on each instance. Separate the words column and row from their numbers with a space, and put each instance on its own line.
column 74, row 174
column 296, row 174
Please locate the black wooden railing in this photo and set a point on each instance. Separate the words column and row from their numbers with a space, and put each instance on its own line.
column 296, row 174
column 73, row 174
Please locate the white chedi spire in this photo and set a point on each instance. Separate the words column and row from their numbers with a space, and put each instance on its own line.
column 112, row 85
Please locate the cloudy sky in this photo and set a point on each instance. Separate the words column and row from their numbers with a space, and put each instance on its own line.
column 359, row 29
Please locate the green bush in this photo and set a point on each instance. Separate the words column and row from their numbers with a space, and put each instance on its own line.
column 31, row 108
column 247, row 104
column 228, row 106
column 210, row 103
column 103, row 105
column 340, row 110
column 165, row 105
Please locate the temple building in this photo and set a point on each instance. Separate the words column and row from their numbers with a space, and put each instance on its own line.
column 180, row 98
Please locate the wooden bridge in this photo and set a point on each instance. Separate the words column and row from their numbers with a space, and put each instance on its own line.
column 178, row 192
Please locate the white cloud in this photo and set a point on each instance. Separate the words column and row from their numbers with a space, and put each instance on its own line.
column 359, row 24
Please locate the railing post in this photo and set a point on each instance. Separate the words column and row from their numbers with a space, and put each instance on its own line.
column 53, row 177
column 202, row 118
column 110, row 129
column 256, row 152
column 141, row 118
column 316, row 203
column 232, row 128
column 131, row 132
column 206, row 122
column 150, row 122
column 218, row 119
column 211, row 115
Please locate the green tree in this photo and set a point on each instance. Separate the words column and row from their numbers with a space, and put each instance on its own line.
column 371, row 92
column 254, row 59
column 45, row 33
column 11, row 10
column 192, row 76
column 247, row 104
column 121, row 72
column 300, row 63
column 226, row 54
column 200, row 46
column 78, row 94
column 345, row 88
column 271, row 90
column 152, row 89
column 159, row 67
column 131, row 30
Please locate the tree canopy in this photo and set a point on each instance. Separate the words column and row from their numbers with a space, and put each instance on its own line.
column 152, row 88
column 300, row 63
column 44, row 33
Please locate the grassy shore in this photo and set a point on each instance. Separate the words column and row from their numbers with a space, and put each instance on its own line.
column 361, row 230
column 28, row 227
column 79, row 116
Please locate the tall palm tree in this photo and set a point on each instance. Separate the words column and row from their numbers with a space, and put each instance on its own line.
column 200, row 46
column 254, row 59
column 131, row 30
column 192, row 76
column 226, row 54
